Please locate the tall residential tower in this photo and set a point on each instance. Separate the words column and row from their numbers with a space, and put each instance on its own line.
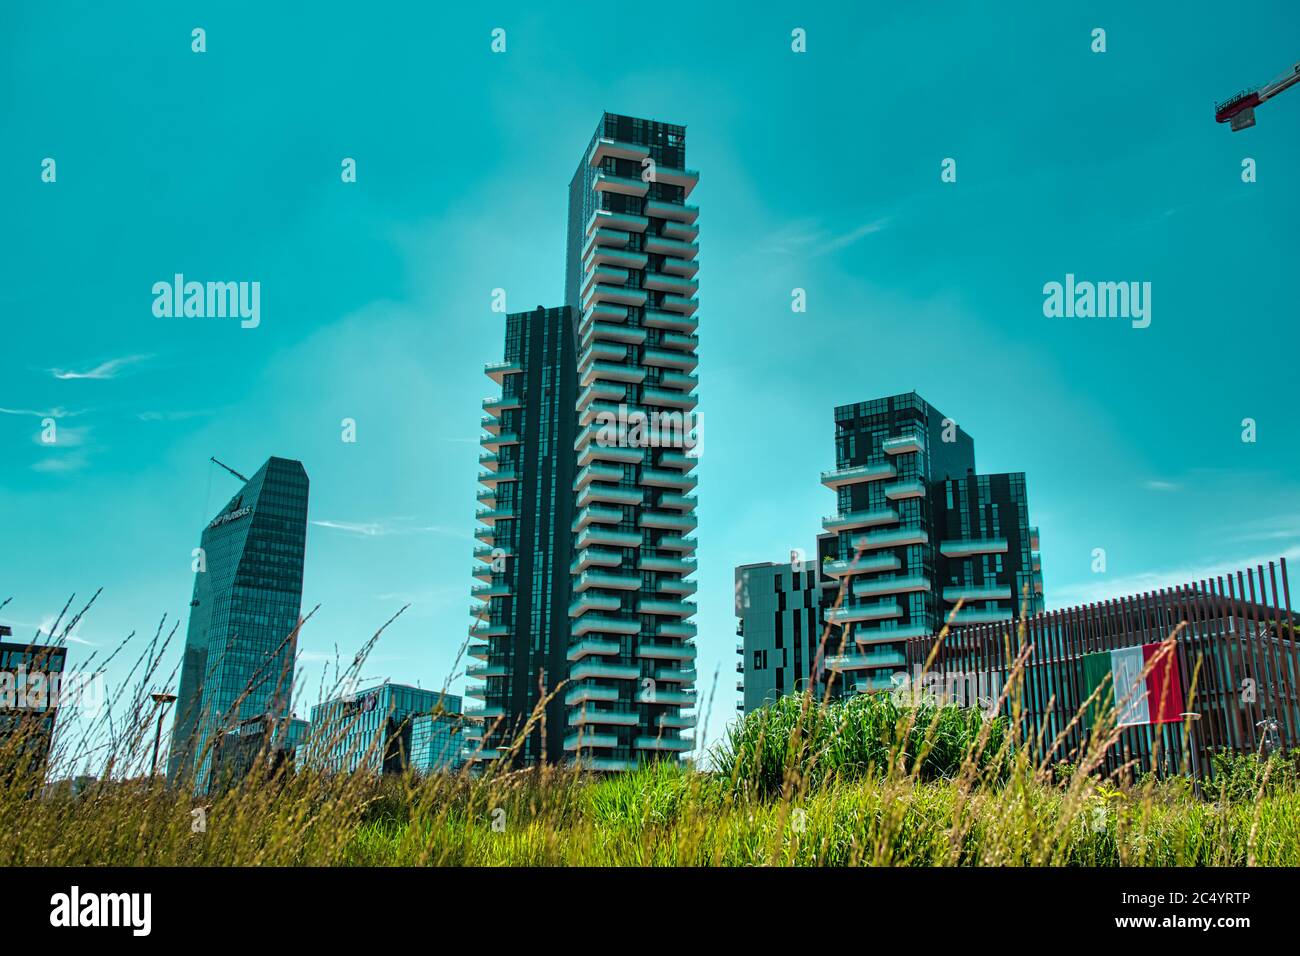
column 631, row 286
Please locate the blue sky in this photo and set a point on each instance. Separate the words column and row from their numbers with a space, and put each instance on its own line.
column 818, row 171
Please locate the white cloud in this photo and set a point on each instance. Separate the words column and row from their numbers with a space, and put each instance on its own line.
column 387, row 526
column 57, row 411
column 1104, row 587
column 1155, row 484
column 103, row 370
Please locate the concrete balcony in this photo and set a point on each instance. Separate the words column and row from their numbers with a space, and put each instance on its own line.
column 495, row 406
column 686, row 178
column 601, row 535
column 888, row 633
column 675, row 744
column 477, row 651
column 482, row 630
column 857, row 474
column 588, row 692
column 860, row 519
column 901, row 490
column 614, row 494
column 679, row 303
column 680, row 586
column 679, row 380
column 484, row 713
column 588, row 668
column 676, row 675
column 680, row 267
column 1033, row 539
column 593, row 647
column 659, row 478
column 907, row 584
column 621, row 185
column 985, row 592
column 670, row 358
column 662, row 282
column 595, row 557
column 677, row 212
column 488, row 592
column 606, row 239
column 594, row 451
column 604, row 275
column 657, row 319
column 599, row 255
column 858, row 662
column 602, row 312
column 668, row 520
column 611, row 373
column 596, row 514
column 618, row 221
column 666, row 652
column 874, row 611
column 683, row 630
column 672, row 608
column 600, row 391
column 484, row 671
column 594, row 601
column 486, row 535
column 590, row 739
column 685, row 231
column 586, row 716
column 664, row 246
column 613, row 293
column 597, row 472
column 490, row 554
column 605, row 147
column 591, row 623
column 666, row 399
column 973, row 615
column 658, row 562
column 671, row 698
column 965, row 548
column 676, row 721
column 671, row 499
column 602, row 579
column 500, row 476
column 676, row 340
column 896, row 538
column 676, row 542
column 497, row 371
column 494, row 443
column 493, row 515
column 903, row 444
column 591, row 412
column 613, row 332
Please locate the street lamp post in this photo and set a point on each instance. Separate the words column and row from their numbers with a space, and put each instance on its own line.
column 161, row 700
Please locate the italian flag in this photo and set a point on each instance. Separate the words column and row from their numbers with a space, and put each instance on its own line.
column 1157, row 699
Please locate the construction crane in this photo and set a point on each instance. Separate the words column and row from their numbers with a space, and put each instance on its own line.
column 1239, row 110
column 229, row 469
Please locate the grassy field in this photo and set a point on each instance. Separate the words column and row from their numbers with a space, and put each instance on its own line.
column 863, row 783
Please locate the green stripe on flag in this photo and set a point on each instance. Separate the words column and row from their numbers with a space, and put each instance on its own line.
column 1096, row 671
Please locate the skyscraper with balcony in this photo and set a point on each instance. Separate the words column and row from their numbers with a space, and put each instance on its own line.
column 630, row 284
column 519, row 638
column 915, row 532
column 242, row 637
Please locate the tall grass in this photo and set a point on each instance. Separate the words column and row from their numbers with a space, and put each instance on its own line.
column 869, row 781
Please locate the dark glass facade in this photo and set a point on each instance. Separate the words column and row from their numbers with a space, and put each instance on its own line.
column 780, row 624
column 524, row 554
column 242, row 638
column 916, row 532
column 383, row 730
column 28, row 707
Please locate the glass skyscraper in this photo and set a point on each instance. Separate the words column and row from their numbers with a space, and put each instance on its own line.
column 242, row 638
column 631, row 286
column 385, row 729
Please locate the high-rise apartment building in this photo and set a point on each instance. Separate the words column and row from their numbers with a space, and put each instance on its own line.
column 520, row 631
column 386, row 729
column 631, row 286
column 916, row 531
column 242, row 638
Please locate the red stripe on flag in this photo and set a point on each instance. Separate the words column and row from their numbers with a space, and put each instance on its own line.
column 1164, row 686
